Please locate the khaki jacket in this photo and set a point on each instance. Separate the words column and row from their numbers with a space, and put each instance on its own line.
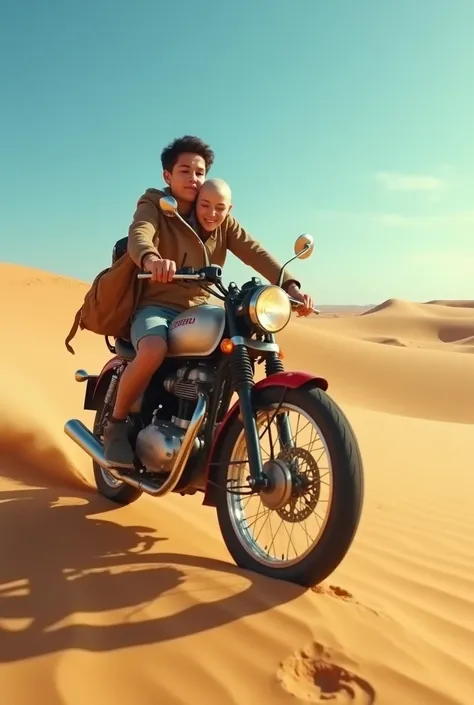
column 152, row 232
column 116, row 293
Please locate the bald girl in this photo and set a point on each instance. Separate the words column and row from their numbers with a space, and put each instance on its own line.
column 213, row 204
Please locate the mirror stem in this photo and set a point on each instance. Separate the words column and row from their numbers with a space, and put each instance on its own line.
column 282, row 270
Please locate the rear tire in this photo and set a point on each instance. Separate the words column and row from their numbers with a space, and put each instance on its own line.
column 108, row 486
column 347, row 494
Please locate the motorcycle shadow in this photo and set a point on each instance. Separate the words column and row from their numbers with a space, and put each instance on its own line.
column 58, row 560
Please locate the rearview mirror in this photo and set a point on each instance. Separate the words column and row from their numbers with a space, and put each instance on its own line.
column 169, row 206
column 304, row 246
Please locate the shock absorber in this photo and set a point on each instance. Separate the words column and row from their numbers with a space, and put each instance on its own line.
column 108, row 398
column 242, row 371
column 273, row 364
column 111, row 390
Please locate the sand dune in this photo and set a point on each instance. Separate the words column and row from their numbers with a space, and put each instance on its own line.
column 456, row 303
column 413, row 373
column 142, row 604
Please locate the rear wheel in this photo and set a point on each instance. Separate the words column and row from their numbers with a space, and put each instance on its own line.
column 315, row 491
column 108, row 486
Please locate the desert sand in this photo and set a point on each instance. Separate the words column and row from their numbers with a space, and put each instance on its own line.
column 142, row 604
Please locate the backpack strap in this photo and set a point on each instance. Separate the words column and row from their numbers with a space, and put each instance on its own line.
column 73, row 331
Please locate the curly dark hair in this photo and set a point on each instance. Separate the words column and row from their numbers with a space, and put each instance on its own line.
column 188, row 143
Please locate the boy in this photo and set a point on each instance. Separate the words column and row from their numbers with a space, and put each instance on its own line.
column 161, row 245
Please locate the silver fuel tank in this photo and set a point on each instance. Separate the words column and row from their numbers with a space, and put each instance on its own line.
column 196, row 332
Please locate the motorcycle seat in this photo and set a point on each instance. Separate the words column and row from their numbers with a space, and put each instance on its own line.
column 124, row 349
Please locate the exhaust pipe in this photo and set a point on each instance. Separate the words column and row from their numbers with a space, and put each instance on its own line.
column 91, row 445
column 81, row 435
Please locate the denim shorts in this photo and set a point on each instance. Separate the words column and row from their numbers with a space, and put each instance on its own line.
column 151, row 320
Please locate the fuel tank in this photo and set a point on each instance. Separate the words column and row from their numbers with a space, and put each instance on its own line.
column 196, row 332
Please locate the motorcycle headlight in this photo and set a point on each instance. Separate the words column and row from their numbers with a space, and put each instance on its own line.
column 269, row 308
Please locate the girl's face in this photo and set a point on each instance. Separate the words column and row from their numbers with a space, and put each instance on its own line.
column 212, row 207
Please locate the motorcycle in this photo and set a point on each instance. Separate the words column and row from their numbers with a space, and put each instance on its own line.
column 189, row 437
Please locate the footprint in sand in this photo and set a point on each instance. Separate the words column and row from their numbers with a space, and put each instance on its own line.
column 341, row 594
column 313, row 675
column 333, row 591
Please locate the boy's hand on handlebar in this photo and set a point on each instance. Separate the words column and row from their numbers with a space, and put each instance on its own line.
column 307, row 303
column 161, row 270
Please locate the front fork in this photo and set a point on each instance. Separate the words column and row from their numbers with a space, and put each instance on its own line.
column 243, row 384
column 273, row 365
column 242, row 374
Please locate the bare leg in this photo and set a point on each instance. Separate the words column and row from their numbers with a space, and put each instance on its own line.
column 138, row 373
column 133, row 382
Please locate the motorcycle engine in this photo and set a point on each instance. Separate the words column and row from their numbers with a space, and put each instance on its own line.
column 159, row 443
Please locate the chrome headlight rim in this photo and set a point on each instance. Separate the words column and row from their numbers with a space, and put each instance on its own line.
column 253, row 313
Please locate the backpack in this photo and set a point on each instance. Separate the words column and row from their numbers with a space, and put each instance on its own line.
column 111, row 300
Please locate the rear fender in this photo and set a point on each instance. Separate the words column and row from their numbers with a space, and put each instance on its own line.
column 97, row 385
column 291, row 380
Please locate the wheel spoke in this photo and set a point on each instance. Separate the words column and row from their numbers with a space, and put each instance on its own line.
column 308, row 477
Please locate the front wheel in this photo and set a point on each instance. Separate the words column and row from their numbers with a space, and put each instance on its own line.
column 301, row 526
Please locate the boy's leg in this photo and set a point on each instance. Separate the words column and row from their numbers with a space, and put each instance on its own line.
column 149, row 335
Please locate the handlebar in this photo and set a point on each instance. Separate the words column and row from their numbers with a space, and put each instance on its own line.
column 147, row 275
column 211, row 274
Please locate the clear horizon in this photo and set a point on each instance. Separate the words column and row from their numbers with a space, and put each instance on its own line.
column 351, row 123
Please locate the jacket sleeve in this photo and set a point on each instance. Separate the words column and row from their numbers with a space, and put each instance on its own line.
column 143, row 233
column 251, row 253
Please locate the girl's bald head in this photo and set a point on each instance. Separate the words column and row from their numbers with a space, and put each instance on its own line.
column 213, row 203
column 217, row 186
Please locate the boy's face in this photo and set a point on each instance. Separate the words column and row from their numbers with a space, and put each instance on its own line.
column 186, row 177
column 212, row 206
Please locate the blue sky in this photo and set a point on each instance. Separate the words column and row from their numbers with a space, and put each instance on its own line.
column 351, row 120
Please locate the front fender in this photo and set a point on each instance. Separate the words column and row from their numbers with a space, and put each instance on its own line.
column 291, row 380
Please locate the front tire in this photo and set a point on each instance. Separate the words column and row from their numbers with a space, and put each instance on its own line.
column 115, row 490
column 346, row 501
